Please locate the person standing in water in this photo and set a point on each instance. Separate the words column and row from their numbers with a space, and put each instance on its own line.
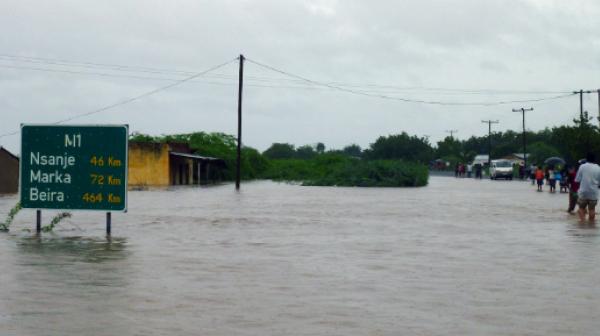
column 557, row 178
column 551, row 179
column 539, row 177
column 588, row 177
column 573, row 188
column 532, row 170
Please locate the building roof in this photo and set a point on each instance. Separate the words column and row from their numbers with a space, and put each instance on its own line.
column 194, row 156
column 481, row 159
column 520, row 155
column 9, row 153
column 515, row 157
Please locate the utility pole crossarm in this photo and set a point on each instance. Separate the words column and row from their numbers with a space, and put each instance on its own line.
column 580, row 93
column 452, row 133
column 523, row 110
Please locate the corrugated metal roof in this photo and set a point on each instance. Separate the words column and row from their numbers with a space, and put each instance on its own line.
column 194, row 156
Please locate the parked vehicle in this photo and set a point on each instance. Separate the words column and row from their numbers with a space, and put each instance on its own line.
column 501, row 169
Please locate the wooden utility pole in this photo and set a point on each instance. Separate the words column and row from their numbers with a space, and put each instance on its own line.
column 452, row 133
column 598, row 107
column 581, row 105
column 523, row 110
column 580, row 93
column 239, row 139
column 490, row 122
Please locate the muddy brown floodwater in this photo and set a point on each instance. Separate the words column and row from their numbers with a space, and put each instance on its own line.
column 458, row 257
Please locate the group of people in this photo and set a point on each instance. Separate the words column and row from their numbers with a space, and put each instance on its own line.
column 461, row 169
column 581, row 182
column 553, row 176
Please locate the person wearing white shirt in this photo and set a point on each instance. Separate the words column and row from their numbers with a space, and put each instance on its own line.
column 588, row 177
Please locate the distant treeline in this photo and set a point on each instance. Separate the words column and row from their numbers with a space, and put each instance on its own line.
column 393, row 161
column 570, row 142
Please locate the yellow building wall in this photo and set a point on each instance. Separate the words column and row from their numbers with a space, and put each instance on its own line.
column 148, row 164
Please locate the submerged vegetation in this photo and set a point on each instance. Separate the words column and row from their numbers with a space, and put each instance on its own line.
column 11, row 216
column 337, row 170
column 5, row 227
column 55, row 220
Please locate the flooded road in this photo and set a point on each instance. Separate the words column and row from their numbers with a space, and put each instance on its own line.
column 458, row 257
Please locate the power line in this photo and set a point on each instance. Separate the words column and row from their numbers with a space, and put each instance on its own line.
column 298, row 79
column 117, row 67
column 408, row 100
column 129, row 68
column 112, row 67
column 222, row 77
column 138, row 97
column 102, row 74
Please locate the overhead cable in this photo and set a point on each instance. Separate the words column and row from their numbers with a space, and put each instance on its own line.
column 128, row 68
column 138, row 97
column 407, row 100
column 299, row 84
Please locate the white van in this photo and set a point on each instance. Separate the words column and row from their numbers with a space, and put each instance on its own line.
column 501, row 169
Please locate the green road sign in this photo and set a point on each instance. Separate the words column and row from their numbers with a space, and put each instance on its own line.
column 74, row 167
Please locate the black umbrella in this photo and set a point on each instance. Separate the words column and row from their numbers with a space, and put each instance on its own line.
column 554, row 161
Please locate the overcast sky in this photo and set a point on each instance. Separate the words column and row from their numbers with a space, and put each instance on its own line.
column 406, row 49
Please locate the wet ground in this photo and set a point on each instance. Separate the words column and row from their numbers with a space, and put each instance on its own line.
column 459, row 257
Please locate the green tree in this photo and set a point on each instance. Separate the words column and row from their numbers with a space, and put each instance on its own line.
column 540, row 151
column 280, row 151
column 137, row 136
column 449, row 147
column 305, row 152
column 352, row 150
column 574, row 142
column 254, row 164
column 401, row 146
column 320, row 148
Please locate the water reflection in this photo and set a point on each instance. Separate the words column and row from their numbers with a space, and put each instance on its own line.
column 66, row 285
column 89, row 250
column 585, row 231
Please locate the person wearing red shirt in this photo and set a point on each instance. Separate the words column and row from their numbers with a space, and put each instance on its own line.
column 539, row 177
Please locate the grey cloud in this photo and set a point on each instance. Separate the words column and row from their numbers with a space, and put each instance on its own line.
column 526, row 45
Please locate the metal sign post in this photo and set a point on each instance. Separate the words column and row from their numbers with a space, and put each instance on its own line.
column 38, row 221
